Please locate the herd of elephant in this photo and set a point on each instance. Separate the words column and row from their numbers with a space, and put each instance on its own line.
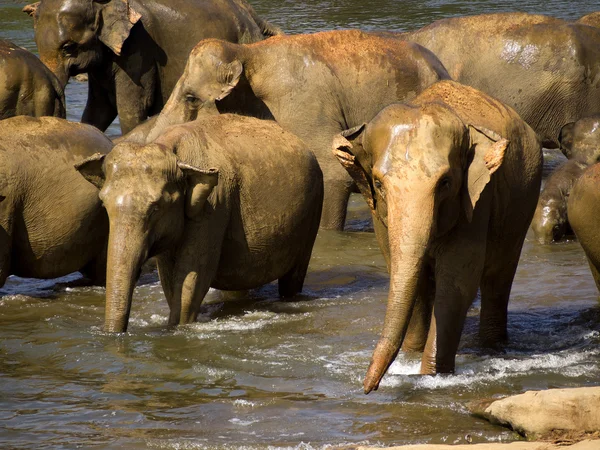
column 240, row 141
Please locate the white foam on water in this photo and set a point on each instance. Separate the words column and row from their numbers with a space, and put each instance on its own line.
column 566, row 363
column 243, row 423
column 251, row 320
column 240, row 403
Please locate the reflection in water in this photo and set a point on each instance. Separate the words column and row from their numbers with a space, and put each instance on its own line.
column 259, row 372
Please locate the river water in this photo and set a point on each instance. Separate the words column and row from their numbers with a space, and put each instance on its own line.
column 260, row 373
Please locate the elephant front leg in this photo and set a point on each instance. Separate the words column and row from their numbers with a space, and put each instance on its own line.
column 335, row 202
column 100, row 109
column 194, row 270
column 135, row 101
column 418, row 327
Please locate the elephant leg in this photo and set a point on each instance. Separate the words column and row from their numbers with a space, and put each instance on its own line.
column 95, row 270
column 195, row 268
column 335, row 203
column 5, row 256
column 496, row 283
column 595, row 273
column 100, row 109
column 459, row 264
column 291, row 283
column 420, row 320
column 166, row 273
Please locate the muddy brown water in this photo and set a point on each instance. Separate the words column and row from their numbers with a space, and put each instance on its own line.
column 259, row 373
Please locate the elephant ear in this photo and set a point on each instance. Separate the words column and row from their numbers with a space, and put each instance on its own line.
column 30, row 10
column 486, row 154
column 200, row 184
column 347, row 148
column 228, row 76
column 117, row 20
column 91, row 169
column 565, row 138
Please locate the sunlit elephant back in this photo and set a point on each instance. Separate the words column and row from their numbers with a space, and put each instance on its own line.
column 133, row 52
column 547, row 69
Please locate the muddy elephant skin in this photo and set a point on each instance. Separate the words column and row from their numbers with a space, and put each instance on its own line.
column 583, row 209
column 452, row 178
column 550, row 222
column 133, row 52
column 27, row 87
column 580, row 143
column 314, row 85
column 580, row 140
column 227, row 201
column 51, row 220
column 547, row 69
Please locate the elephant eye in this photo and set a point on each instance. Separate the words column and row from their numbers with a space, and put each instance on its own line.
column 192, row 100
column 445, row 183
column 69, row 48
column 379, row 187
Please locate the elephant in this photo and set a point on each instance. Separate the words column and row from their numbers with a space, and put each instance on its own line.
column 314, row 85
column 580, row 143
column 583, row 208
column 133, row 51
column 591, row 19
column 453, row 178
column 51, row 220
column 547, row 69
column 226, row 201
column 550, row 221
column 27, row 87
column 580, row 140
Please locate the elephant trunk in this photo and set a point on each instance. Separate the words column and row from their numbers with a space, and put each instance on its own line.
column 409, row 231
column 174, row 112
column 57, row 68
column 126, row 254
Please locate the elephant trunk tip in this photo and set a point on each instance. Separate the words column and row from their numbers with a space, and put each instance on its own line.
column 382, row 359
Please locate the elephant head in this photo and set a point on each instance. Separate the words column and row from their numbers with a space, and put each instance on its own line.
column 581, row 140
column 148, row 193
column 73, row 36
column 212, row 71
column 422, row 172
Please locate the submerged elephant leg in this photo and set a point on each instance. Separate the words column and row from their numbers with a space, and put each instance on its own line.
column 496, row 282
column 196, row 266
column 95, row 270
column 335, row 203
column 165, row 263
column 291, row 283
column 420, row 320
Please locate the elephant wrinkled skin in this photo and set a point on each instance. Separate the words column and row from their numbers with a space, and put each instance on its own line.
column 51, row 220
column 452, row 178
column 314, row 85
column 547, row 69
column 228, row 201
column 133, row 51
column 27, row 87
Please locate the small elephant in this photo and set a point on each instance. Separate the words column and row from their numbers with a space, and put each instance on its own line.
column 133, row 51
column 51, row 220
column 314, row 85
column 452, row 179
column 550, row 221
column 27, row 87
column 543, row 67
column 580, row 143
column 228, row 201
column 580, row 140
column 583, row 208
